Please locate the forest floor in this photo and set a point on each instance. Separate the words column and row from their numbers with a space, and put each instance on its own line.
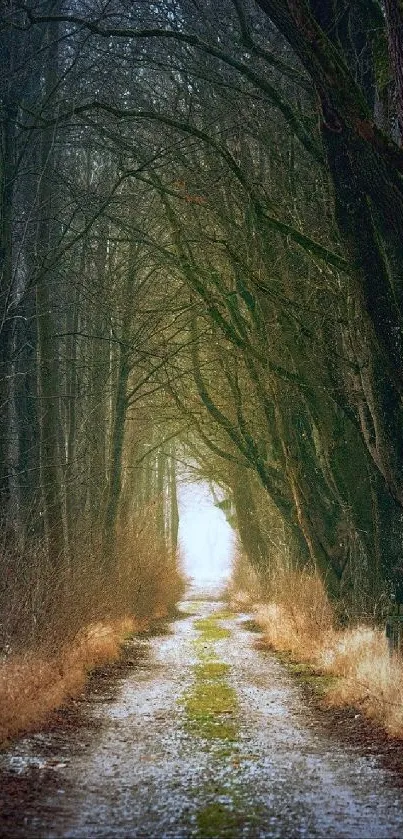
column 199, row 733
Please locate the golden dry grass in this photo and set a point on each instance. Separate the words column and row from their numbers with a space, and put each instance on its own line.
column 298, row 619
column 244, row 588
column 54, row 629
column 298, row 616
column 369, row 677
column 33, row 684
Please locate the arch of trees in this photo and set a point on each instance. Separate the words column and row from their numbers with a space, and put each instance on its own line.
column 201, row 254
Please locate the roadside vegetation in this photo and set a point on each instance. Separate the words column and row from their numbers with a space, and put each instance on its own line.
column 346, row 666
column 201, row 223
column 53, row 644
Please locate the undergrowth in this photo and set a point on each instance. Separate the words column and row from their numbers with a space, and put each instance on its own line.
column 34, row 684
column 352, row 666
column 55, row 628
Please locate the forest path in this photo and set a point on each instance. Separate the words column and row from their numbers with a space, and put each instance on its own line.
column 207, row 737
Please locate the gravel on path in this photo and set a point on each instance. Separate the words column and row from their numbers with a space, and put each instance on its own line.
column 141, row 771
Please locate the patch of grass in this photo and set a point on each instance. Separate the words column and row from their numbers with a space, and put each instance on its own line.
column 223, row 615
column 192, row 607
column 282, row 655
column 209, row 708
column 211, row 670
column 211, row 702
column 210, row 630
column 251, row 626
column 318, row 682
column 208, row 697
column 226, row 814
column 210, row 712
column 299, row 668
column 227, row 750
column 216, row 820
column 306, row 674
column 212, row 728
column 321, row 683
column 203, row 649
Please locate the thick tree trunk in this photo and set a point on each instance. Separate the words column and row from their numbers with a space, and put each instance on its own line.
column 394, row 15
column 248, row 523
column 366, row 168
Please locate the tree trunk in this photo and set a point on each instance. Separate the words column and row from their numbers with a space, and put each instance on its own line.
column 160, row 500
column 174, row 509
column 394, row 16
column 247, row 520
column 115, row 461
column 97, row 390
column 119, row 410
column 366, row 168
column 7, row 174
column 48, row 374
column 72, row 323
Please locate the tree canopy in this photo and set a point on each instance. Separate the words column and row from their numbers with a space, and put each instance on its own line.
column 201, row 260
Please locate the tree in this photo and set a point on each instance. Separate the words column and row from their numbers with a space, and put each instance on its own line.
column 218, row 262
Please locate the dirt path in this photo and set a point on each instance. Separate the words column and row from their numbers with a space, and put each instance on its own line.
column 206, row 737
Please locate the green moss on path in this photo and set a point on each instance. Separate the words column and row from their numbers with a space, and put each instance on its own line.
column 211, row 703
column 218, row 819
column 211, row 670
column 211, row 706
column 308, row 676
column 210, row 630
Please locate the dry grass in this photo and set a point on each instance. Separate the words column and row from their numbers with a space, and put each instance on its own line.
column 43, row 606
column 298, row 619
column 33, row 684
column 370, row 678
column 55, row 628
column 298, row 616
column 244, row 588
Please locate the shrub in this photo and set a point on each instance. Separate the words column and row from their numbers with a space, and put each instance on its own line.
column 297, row 618
column 54, row 627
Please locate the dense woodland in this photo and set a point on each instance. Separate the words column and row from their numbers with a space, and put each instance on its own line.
column 201, row 263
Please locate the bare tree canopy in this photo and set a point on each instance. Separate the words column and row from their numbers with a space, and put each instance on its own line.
column 201, row 261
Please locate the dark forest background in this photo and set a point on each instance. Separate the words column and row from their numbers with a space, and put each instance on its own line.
column 201, row 212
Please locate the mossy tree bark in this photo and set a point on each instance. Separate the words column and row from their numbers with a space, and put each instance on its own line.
column 366, row 168
column 394, row 15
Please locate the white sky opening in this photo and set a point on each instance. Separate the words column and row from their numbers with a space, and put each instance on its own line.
column 206, row 539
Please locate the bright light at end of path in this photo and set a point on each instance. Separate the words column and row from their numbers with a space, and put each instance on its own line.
column 206, row 539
